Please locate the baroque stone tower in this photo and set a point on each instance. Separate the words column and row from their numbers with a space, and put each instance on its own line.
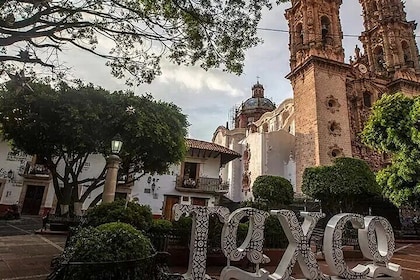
column 390, row 45
column 333, row 99
column 318, row 77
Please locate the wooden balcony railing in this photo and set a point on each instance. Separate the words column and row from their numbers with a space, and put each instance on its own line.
column 202, row 184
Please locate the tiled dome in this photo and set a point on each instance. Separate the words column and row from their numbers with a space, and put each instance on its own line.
column 258, row 102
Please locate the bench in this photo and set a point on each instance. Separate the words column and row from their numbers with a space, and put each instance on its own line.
column 351, row 239
column 60, row 223
column 317, row 238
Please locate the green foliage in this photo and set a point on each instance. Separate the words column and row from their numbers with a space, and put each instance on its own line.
column 183, row 228
column 63, row 126
column 183, row 223
column 138, row 216
column 340, row 186
column 394, row 128
column 389, row 125
column 161, row 226
column 272, row 192
column 108, row 242
column 274, row 236
column 113, row 242
column 208, row 33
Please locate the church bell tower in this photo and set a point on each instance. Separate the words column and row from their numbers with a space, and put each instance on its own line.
column 318, row 77
column 390, row 45
column 315, row 30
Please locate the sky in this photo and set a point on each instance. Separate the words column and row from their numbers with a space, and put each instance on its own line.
column 209, row 97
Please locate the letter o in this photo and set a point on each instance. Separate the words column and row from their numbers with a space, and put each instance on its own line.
column 377, row 240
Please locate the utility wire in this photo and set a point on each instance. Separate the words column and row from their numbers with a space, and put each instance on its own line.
column 287, row 31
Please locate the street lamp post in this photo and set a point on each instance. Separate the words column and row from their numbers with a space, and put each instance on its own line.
column 112, row 166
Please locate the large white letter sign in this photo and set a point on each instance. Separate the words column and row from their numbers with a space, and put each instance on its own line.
column 252, row 247
column 377, row 243
column 333, row 246
column 299, row 245
column 200, row 228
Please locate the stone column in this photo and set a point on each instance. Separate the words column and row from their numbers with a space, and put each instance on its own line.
column 113, row 164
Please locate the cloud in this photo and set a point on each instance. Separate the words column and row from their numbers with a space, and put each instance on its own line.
column 197, row 80
column 208, row 97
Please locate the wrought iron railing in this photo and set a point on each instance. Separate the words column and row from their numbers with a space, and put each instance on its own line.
column 27, row 169
column 153, row 268
column 204, row 184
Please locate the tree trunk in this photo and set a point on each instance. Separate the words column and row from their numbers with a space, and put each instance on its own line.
column 78, row 208
column 64, row 210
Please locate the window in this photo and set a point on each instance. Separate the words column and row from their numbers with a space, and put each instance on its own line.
column 191, row 171
column 299, row 34
column 367, row 99
column 198, row 201
column 407, row 54
column 332, row 104
column 334, row 128
column 325, row 28
column 379, row 59
column 374, row 6
column 335, row 153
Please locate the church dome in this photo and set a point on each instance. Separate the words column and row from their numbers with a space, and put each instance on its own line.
column 258, row 102
column 253, row 108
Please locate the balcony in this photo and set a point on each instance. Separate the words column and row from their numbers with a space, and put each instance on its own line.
column 201, row 185
column 34, row 171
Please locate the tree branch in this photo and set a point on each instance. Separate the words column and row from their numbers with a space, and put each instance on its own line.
column 25, row 60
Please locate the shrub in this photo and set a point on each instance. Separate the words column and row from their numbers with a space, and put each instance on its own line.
column 182, row 227
column 139, row 216
column 272, row 192
column 274, row 236
column 113, row 242
column 159, row 234
column 108, row 242
column 347, row 185
column 161, row 226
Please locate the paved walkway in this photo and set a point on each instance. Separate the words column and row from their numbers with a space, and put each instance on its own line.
column 25, row 255
column 28, row 256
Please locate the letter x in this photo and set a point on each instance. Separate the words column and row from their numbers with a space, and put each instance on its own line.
column 299, row 245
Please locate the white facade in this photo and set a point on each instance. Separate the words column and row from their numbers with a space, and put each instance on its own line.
column 146, row 193
column 153, row 190
column 266, row 146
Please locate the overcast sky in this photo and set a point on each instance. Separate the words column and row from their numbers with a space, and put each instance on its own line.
column 208, row 98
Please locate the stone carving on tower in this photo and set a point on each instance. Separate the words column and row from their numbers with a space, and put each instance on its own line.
column 315, row 30
column 388, row 38
column 390, row 45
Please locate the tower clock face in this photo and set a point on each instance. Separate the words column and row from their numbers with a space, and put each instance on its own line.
column 362, row 68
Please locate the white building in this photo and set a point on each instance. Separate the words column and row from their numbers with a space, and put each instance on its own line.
column 264, row 136
column 196, row 180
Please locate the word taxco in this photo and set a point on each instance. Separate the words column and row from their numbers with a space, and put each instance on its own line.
column 375, row 235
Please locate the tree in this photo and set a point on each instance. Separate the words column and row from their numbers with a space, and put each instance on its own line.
column 394, row 128
column 272, row 192
column 63, row 126
column 140, row 33
column 341, row 185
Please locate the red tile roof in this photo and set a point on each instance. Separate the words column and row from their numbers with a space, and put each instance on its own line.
column 227, row 154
